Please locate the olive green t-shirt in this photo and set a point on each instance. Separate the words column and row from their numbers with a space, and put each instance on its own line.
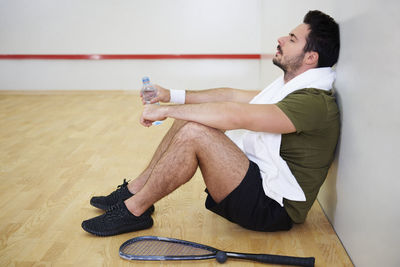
column 310, row 150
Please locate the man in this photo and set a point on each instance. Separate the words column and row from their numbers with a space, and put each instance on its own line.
column 264, row 179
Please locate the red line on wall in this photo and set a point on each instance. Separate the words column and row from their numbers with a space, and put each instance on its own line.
column 132, row 56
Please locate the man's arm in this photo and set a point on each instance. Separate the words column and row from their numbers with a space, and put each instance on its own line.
column 209, row 95
column 220, row 95
column 224, row 115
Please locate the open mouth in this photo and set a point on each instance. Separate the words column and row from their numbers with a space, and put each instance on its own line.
column 278, row 50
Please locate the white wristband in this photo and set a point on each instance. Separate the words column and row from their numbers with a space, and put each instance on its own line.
column 177, row 96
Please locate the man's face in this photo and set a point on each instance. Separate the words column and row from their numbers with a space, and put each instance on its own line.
column 290, row 55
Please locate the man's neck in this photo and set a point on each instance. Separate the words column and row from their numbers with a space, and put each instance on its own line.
column 289, row 75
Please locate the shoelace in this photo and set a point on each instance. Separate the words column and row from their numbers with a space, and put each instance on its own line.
column 119, row 188
column 124, row 184
column 113, row 208
column 115, row 211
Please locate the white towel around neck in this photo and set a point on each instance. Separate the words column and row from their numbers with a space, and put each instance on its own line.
column 264, row 148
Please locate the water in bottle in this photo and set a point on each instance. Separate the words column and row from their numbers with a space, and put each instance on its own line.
column 148, row 90
column 148, row 93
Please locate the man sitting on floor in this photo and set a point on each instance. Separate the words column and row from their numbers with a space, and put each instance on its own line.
column 264, row 179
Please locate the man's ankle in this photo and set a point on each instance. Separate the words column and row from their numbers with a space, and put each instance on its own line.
column 135, row 186
column 131, row 188
column 134, row 209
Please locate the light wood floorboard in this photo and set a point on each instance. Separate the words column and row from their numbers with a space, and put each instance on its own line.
column 58, row 150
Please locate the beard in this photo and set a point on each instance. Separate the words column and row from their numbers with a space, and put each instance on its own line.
column 291, row 64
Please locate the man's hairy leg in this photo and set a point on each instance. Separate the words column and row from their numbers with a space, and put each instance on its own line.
column 222, row 164
column 137, row 184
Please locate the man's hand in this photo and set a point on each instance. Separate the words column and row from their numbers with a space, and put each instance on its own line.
column 152, row 113
column 163, row 95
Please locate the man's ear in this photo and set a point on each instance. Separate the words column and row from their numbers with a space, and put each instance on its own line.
column 311, row 58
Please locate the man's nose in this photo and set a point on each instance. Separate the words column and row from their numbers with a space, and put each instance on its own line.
column 281, row 41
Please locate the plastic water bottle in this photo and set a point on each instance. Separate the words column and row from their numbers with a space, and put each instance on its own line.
column 148, row 90
column 148, row 93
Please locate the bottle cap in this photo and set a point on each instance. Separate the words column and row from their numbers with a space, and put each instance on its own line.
column 145, row 79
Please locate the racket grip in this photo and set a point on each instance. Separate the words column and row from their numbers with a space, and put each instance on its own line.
column 275, row 259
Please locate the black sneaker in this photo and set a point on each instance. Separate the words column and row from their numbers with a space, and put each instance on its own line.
column 117, row 220
column 121, row 194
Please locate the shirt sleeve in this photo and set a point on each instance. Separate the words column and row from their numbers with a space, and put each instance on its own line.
column 306, row 108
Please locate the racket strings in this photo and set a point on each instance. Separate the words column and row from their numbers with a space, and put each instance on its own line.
column 162, row 248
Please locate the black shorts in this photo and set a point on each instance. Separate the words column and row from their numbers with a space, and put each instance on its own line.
column 248, row 206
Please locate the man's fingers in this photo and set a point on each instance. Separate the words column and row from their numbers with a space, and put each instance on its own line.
column 145, row 123
column 154, row 100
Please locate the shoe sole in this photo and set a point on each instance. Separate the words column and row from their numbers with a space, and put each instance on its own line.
column 138, row 226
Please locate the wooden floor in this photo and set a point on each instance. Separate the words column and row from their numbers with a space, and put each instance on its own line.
column 58, row 150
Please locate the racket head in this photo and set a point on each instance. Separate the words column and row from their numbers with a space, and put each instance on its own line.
column 155, row 248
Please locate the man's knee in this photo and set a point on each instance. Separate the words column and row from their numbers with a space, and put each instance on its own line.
column 193, row 131
column 179, row 123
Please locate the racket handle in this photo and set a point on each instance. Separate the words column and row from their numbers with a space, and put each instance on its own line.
column 275, row 259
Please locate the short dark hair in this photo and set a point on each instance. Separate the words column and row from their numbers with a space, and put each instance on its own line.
column 323, row 37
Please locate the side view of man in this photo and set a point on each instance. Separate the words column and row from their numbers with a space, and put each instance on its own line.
column 265, row 178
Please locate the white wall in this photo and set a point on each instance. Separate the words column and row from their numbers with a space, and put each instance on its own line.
column 126, row 74
column 360, row 195
column 128, row 27
column 366, row 178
